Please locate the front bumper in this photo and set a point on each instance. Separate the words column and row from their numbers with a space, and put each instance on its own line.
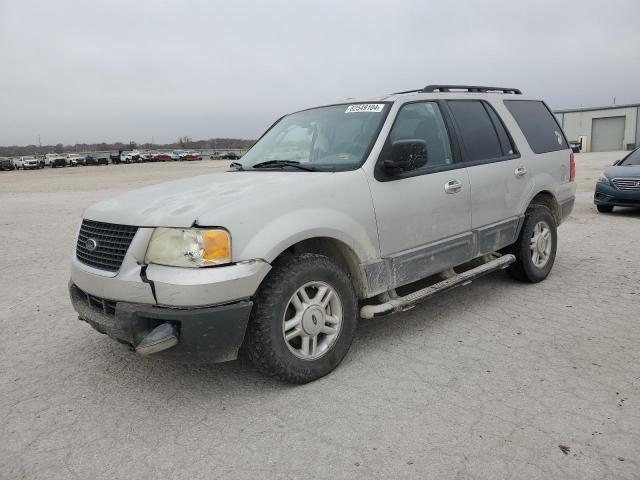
column 611, row 196
column 169, row 286
column 212, row 334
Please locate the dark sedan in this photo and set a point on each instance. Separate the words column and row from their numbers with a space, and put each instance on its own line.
column 6, row 164
column 97, row 159
column 619, row 185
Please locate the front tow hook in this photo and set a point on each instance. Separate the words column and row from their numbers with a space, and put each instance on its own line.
column 162, row 337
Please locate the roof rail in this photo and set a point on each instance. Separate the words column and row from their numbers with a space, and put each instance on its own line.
column 469, row 88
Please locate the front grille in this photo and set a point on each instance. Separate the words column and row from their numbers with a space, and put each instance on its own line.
column 632, row 184
column 112, row 244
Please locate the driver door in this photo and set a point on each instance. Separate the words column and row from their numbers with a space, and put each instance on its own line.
column 423, row 215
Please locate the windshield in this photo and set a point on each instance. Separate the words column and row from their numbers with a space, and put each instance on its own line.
column 633, row 158
column 327, row 138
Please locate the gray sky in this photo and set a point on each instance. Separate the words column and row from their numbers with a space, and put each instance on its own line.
column 89, row 71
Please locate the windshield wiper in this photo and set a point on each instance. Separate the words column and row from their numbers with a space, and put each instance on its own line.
column 283, row 164
column 237, row 165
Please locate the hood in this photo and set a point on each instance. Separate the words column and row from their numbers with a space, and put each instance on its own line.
column 623, row 171
column 181, row 203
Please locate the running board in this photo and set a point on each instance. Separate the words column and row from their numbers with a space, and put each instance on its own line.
column 398, row 304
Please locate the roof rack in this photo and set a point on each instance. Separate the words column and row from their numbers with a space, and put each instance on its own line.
column 466, row 88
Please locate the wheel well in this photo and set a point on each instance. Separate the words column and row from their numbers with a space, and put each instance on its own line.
column 548, row 200
column 339, row 252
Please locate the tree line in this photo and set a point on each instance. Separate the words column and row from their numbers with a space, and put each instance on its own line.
column 184, row 142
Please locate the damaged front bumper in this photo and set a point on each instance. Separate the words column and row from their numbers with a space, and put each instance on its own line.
column 212, row 334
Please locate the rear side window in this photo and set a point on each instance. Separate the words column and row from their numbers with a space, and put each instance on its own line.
column 479, row 132
column 538, row 125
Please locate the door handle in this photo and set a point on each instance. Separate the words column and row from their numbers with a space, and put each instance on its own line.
column 520, row 172
column 453, row 186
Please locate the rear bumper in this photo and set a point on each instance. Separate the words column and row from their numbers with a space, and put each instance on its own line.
column 212, row 334
column 611, row 196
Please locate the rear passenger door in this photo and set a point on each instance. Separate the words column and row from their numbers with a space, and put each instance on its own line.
column 498, row 178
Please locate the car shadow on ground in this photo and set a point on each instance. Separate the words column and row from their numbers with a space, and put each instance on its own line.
column 241, row 377
column 627, row 212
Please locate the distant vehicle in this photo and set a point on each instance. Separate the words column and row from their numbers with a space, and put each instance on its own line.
column 73, row 160
column 6, row 164
column 175, row 155
column 147, row 157
column 97, row 159
column 163, row 157
column 29, row 163
column 132, row 157
column 619, row 185
column 54, row 160
column 189, row 156
column 115, row 157
column 231, row 156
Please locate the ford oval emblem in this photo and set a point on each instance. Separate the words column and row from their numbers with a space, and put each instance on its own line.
column 91, row 245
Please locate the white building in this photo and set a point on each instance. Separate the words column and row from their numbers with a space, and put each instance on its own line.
column 602, row 129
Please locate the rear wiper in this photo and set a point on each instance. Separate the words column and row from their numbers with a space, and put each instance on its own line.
column 282, row 164
column 237, row 165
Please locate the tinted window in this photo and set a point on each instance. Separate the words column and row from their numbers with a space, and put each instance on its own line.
column 538, row 125
column 505, row 140
column 633, row 158
column 424, row 121
column 478, row 133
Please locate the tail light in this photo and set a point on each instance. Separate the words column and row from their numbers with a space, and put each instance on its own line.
column 572, row 168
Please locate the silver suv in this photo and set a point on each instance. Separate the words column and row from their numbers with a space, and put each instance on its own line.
column 357, row 209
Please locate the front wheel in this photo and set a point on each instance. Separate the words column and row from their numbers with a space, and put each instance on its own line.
column 535, row 249
column 303, row 320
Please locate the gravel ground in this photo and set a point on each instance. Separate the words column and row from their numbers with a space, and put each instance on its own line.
column 494, row 380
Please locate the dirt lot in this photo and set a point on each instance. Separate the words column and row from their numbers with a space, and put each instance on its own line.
column 494, row 380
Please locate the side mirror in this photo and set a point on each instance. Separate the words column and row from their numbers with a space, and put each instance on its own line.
column 406, row 155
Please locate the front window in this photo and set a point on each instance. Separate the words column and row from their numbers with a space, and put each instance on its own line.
column 327, row 139
column 632, row 159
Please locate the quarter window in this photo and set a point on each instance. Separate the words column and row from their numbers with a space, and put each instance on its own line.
column 479, row 133
column 423, row 121
column 538, row 125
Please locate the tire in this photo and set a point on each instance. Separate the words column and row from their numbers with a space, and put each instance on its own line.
column 265, row 342
column 526, row 268
column 604, row 208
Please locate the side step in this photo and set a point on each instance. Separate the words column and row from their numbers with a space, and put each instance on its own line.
column 398, row 304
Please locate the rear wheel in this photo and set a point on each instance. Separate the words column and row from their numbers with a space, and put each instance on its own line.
column 303, row 320
column 604, row 208
column 535, row 249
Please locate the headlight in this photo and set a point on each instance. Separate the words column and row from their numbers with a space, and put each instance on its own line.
column 189, row 247
column 604, row 180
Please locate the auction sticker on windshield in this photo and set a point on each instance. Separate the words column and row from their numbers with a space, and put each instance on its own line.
column 365, row 107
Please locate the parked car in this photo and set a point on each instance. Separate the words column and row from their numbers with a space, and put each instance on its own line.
column 115, row 157
column 97, row 159
column 163, row 157
column 176, row 155
column 6, row 163
column 73, row 160
column 619, row 185
column 54, row 160
column 334, row 214
column 190, row 156
column 230, row 156
column 132, row 157
column 28, row 163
